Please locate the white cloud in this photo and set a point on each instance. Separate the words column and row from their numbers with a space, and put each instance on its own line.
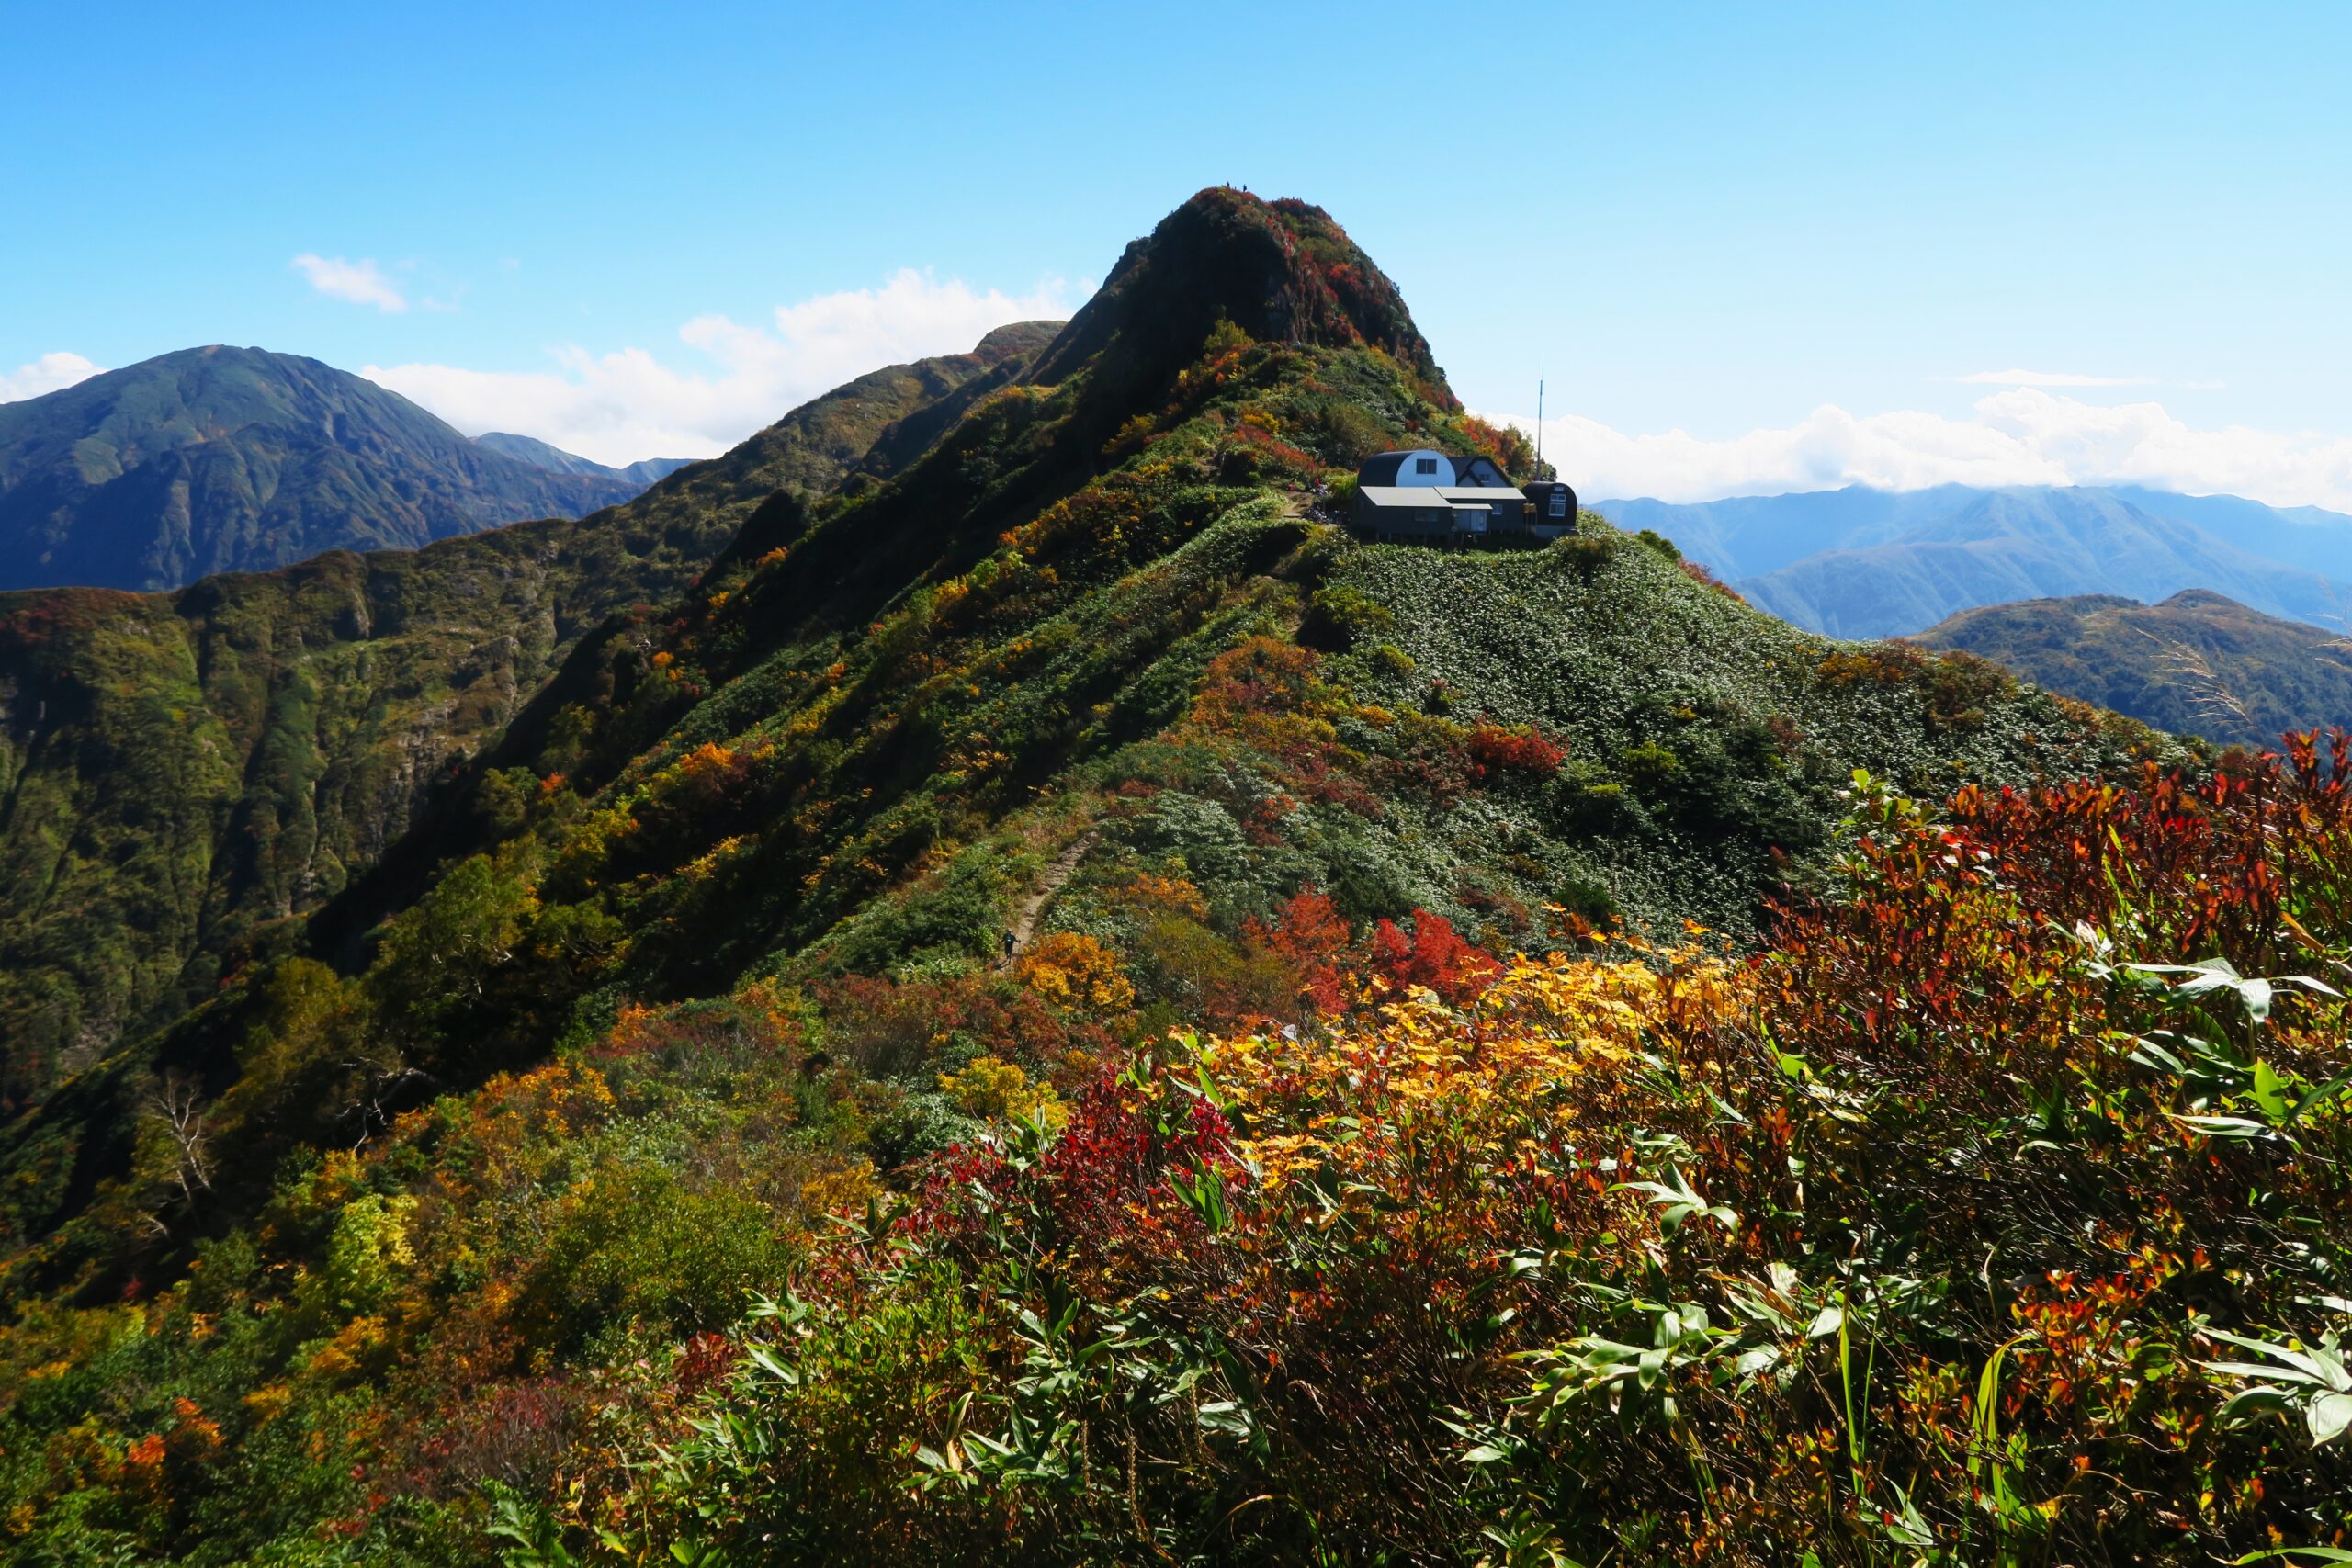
column 2025, row 435
column 2048, row 378
column 362, row 282
column 622, row 406
column 47, row 374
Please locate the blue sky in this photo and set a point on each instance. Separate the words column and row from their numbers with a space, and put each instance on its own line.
column 1790, row 233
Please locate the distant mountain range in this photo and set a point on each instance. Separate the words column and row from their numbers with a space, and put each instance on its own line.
column 2197, row 663
column 220, row 459
column 556, row 460
column 1869, row 563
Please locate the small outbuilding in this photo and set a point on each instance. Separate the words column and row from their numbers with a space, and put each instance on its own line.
column 1551, row 509
column 1496, row 506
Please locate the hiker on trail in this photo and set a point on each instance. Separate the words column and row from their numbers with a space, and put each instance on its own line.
column 1007, row 946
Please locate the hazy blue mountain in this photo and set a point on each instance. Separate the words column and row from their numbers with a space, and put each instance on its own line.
column 1748, row 535
column 1864, row 563
column 236, row 459
column 556, row 460
column 2307, row 537
column 648, row 470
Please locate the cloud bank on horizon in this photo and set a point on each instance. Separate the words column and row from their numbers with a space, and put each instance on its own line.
column 620, row 407
column 2025, row 435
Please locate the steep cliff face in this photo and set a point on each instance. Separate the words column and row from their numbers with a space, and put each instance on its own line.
column 178, row 771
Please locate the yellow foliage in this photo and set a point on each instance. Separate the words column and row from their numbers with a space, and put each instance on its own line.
column 1001, row 1091
column 267, row 1402
column 1151, row 894
column 840, row 1190
column 1540, row 1050
column 353, row 1352
column 1073, row 970
column 370, row 1252
column 704, row 864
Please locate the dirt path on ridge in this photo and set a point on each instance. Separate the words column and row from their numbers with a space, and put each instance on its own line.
column 1025, row 924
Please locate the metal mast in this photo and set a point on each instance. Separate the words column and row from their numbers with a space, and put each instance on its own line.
column 1539, row 424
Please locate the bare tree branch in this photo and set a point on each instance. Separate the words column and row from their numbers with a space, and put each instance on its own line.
column 176, row 1101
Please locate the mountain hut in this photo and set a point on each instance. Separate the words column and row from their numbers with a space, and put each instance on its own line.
column 1426, row 495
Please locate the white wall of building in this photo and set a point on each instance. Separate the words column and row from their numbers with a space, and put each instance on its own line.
column 1411, row 472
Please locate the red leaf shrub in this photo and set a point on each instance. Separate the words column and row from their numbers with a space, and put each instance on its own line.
column 1431, row 954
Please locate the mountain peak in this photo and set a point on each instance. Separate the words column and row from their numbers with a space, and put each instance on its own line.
column 220, row 459
column 1279, row 271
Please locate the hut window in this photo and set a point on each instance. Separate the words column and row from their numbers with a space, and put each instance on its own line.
column 1425, row 464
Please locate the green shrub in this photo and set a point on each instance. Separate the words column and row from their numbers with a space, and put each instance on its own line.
column 1337, row 618
column 633, row 1244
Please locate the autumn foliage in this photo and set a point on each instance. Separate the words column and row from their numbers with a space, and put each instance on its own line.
column 1994, row 1208
column 1673, row 1248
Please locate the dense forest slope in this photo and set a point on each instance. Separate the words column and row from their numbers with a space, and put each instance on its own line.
column 663, row 1155
column 236, row 459
column 2197, row 663
column 177, row 771
column 1863, row 563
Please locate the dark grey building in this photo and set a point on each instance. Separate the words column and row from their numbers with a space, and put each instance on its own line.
column 1404, row 512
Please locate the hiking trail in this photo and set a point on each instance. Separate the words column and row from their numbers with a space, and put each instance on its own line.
column 1026, row 924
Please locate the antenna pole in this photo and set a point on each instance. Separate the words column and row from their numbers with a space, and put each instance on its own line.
column 1539, row 422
